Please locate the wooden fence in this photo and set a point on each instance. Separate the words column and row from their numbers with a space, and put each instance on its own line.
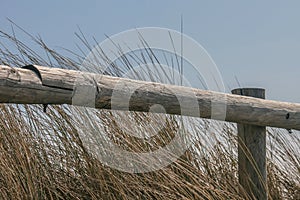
column 44, row 85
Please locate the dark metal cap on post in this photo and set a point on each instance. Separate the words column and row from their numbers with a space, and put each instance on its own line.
column 252, row 152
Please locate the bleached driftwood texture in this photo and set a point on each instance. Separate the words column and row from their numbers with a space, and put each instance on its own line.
column 59, row 86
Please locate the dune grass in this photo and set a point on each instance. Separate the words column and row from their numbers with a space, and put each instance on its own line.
column 42, row 155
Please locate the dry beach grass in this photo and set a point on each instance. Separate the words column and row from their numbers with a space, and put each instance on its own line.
column 42, row 155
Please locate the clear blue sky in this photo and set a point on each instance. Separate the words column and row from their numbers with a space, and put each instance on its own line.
column 257, row 41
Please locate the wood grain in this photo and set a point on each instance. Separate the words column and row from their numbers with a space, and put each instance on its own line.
column 61, row 86
column 252, row 168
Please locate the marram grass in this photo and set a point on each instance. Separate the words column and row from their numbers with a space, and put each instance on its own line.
column 43, row 157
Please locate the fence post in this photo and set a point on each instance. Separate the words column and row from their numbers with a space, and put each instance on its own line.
column 252, row 152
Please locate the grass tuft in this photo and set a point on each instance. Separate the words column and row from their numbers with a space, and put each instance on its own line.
column 42, row 155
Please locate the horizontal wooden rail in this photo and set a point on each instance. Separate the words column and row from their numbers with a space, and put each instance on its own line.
column 60, row 86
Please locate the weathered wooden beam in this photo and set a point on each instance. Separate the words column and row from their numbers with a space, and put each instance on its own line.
column 60, row 86
column 252, row 152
